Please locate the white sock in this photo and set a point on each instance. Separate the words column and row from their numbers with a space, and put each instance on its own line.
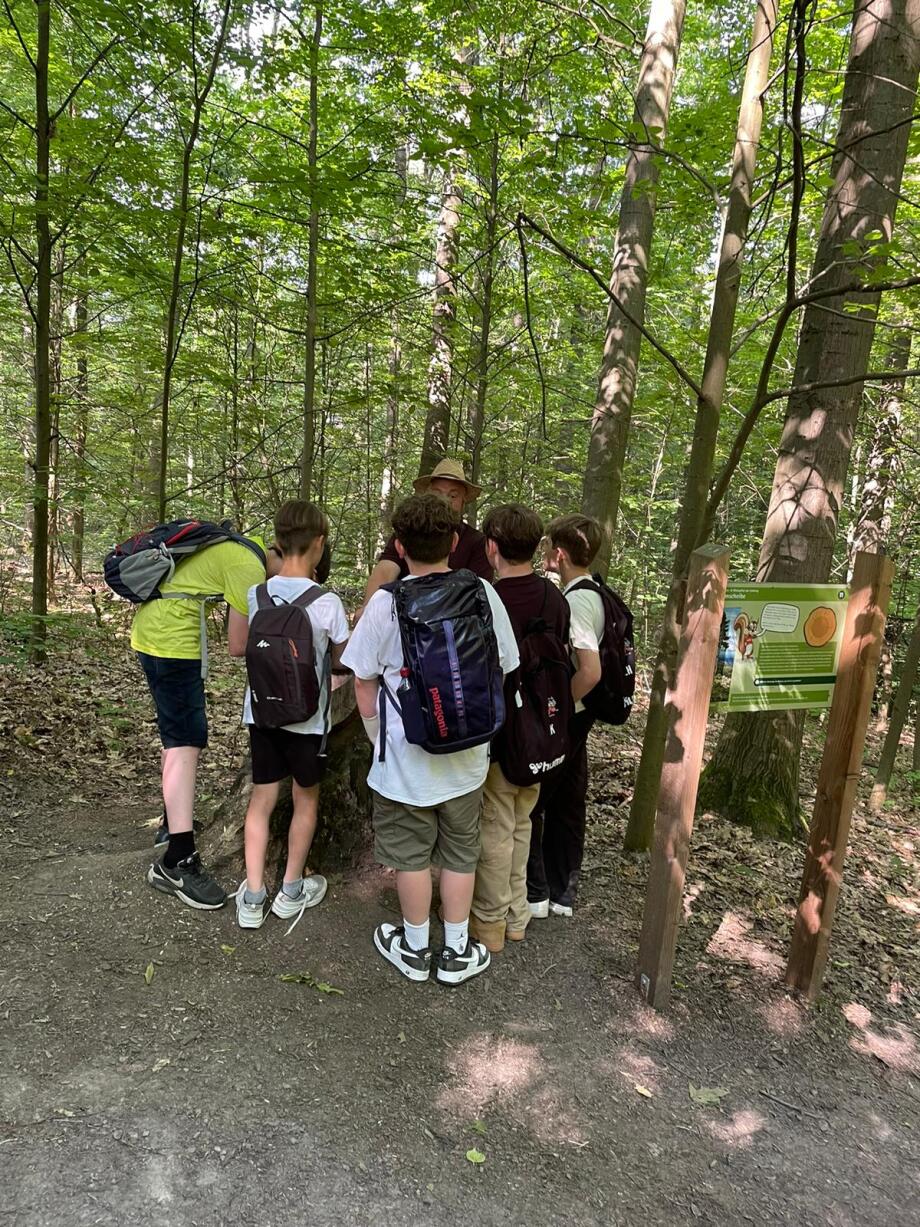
column 416, row 935
column 457, row 936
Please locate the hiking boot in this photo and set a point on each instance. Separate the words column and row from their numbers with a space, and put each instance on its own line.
column 161, row 838
column 249, row 915
column 539, row 908
column 560, row 909
column 454, row 968
column 390, row 940
column 490, row 932
column 188, row 881
column 312, row 891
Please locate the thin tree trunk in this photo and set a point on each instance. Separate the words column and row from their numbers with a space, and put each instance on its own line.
column 391, row 443
column 916, row 759
column 57, row 380
column 309, row 366
column 877, row 500
column 616, row 383
column 761, row 788
column 42, row 331
column 200, row 98
column 478, row 414
column 898, row 718
column 444, row 310
column 708, row 412
column 81, row 429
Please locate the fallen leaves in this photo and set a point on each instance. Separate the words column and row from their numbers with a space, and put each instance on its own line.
column 304, row 977
column 149, row 973
column 643, row 1091
column 474, row 1156
column 708, row 1096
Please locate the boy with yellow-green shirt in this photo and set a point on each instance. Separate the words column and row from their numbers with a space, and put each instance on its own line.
column 170, row 638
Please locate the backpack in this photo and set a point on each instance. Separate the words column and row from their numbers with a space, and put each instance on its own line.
column 534, row 741
column 611, row 700
column 451, row 694
column 136, row 568
column 283, row 683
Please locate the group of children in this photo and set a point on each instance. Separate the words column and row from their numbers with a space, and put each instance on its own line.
column 509, row 849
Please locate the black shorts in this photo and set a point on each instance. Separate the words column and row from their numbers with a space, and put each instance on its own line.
column 178, row 693
column 278, row 753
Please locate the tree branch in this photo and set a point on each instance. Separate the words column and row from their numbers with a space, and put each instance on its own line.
column 84, row 78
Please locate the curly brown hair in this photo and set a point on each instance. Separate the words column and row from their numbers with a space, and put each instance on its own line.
column 425, row 526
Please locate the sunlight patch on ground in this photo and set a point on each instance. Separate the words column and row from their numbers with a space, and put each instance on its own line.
column 895, row 1047
column 783, row 1016
column 490, row 1069
column 732, row 941
column 739, row 1130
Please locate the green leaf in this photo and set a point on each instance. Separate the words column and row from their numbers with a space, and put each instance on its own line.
column 478, row 1127
column 709, row 1096
column 228, row 949
column 304, row 977
column 475, row 1156
column 149, row 973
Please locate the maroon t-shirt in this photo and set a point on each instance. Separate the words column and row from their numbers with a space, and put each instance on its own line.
column 531, row 596
column 470, row 553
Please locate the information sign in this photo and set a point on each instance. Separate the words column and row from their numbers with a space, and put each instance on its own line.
column 779, row 647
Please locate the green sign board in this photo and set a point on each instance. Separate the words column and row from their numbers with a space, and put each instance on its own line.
column 779, row 647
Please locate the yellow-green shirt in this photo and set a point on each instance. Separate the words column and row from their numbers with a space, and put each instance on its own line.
column 173, row 628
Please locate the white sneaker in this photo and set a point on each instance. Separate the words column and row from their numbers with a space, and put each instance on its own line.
column 456, row 966
column 560, row 909
column 249, row 915
column 390, row 940
column 540, row 909
column 312, row 891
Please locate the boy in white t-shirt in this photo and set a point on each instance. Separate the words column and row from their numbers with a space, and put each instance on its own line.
column 426, row 806
column 557, row 841
column 300, row 532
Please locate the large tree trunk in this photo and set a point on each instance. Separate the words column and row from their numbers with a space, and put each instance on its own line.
column 42, row 333
column 487, row 282
column 616, row 384
column 199, row 99
column 309, row 367
column 391, row 442
column 759, row 786
column 344, row 830
column 708, row 412
column 898, row 719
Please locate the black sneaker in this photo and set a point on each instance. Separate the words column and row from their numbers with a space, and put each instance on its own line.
column 188, row 881
column 390, row 940
column 162, row 836
column 454, row 968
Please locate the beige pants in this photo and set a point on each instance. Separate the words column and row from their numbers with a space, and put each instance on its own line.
column 501, row 875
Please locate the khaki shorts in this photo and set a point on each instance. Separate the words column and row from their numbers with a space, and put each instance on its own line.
column 412, row 837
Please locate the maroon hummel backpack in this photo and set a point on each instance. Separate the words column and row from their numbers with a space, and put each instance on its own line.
column 283, row 682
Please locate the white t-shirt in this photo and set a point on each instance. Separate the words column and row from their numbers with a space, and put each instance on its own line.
column 327, row 615
column 409, row 773
column 586, row 626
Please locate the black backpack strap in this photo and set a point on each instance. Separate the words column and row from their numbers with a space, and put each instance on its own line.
column 264, row 599
column 383, row 695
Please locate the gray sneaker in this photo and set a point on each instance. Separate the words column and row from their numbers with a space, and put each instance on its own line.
column 249, row 915
column 312, row 891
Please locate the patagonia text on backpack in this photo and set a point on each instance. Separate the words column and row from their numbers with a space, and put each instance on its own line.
column 611, row 700
column 451, row 695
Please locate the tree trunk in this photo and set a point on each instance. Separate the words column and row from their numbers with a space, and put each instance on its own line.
column 616, row 383
column 200, row 98
column 309, row 366
column 391, row 443
column 760, row 787
column 42, row 332
column 56, row 374
column 877, row 500
column 344, row 831
column 478, row 413
column 898, row 719
column 706, row 424
column 81, row 428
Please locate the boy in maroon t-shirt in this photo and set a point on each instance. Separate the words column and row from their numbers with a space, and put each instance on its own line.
column 500, row 910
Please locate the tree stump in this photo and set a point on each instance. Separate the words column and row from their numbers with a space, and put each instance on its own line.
column 343, row 832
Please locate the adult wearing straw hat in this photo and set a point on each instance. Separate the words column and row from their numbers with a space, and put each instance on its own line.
column 448, row 479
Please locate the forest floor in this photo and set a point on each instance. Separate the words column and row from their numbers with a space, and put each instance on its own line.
column 157, row 1066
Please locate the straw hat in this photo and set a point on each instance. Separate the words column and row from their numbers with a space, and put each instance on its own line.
column 450, row 470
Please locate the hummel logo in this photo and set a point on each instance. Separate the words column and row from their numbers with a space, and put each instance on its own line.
column 263, row 643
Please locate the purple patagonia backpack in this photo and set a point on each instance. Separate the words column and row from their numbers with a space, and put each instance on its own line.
column 451, row 694
column 283, row 681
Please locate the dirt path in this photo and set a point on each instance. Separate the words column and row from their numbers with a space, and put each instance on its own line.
column 217, row 1093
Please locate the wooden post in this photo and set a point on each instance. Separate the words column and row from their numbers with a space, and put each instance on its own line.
column 687, row 705
column 839, row 774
